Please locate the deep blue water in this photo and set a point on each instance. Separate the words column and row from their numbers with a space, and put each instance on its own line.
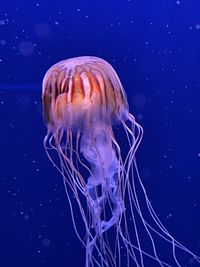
column 154, row 46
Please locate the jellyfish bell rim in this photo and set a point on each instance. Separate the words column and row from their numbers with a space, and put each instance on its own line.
column 81, row 128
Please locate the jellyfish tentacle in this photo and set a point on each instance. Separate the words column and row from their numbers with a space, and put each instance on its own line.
column 103, row 185
column 97, row 149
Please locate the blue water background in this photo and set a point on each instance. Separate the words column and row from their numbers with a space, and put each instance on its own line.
column 155, row 48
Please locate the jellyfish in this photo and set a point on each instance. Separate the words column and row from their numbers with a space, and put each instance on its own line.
column 95, row 139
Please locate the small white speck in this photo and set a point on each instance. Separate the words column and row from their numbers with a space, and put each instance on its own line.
column 197, row 26
column 2, row 22
column 46, row 242
column 2, row 42
column 26, row 217
column 11, row 125
column 169, row 215
column 178, row 2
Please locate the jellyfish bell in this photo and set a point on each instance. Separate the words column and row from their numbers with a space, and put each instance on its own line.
column 80, row 92
column 83, row 100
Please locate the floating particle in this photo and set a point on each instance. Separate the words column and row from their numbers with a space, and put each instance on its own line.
column 42, row 30
column 2, row 22
column 139, row 116
column 26, row 48
column 24, row 100
column 139, row 101
column 197, row 26
column 26, row 217
column 46, row 242
column 2, row 42
column 169, row 215
column 178, row 2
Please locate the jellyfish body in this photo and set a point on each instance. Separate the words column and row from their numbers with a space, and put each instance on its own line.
column 83, row 102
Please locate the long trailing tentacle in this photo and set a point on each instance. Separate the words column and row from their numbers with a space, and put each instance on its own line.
column 130, row 161
column 53, row 142
column 118, row 184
